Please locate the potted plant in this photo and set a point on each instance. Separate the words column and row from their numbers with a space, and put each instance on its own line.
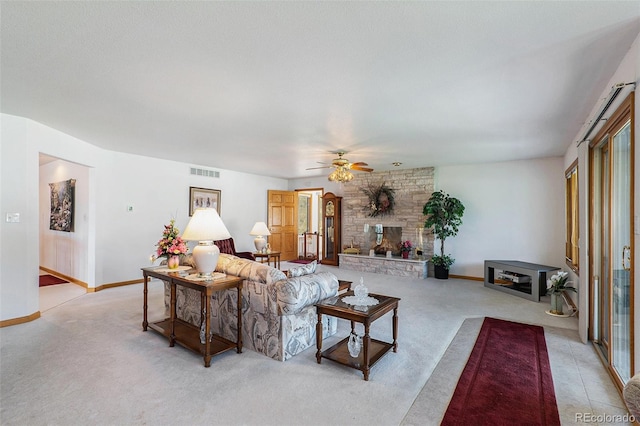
column 444, row 215
column 556, row 285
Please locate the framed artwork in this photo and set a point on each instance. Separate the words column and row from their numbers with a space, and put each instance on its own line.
column 203, row 197
column 62, row 205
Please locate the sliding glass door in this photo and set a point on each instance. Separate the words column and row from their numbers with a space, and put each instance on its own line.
column 621, row 252
column 610, row 244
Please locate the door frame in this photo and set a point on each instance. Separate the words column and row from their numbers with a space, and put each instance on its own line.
column 625, row 112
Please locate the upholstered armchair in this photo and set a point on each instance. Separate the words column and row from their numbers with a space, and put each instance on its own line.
column 227, row 246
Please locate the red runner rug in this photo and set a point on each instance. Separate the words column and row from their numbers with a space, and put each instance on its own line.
column 46, row 280
column 507, row 379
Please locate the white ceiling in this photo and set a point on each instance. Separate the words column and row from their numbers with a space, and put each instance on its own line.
column 273, row 87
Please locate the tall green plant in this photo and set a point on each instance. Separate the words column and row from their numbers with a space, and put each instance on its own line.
column 444, row 215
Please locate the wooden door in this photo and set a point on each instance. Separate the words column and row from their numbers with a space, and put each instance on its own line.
column 283, row 223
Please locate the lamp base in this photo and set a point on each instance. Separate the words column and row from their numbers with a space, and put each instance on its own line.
column 260, row 242
column 205, row 256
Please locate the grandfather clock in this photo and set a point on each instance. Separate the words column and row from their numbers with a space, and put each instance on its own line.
column 332, row 241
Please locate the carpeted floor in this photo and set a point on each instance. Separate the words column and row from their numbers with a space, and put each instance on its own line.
column 88, row 362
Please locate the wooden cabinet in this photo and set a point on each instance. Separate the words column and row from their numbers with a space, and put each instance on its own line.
column 331, row 220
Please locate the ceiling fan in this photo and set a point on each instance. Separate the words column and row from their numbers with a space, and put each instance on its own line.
column 342, row 167
column 345, row 163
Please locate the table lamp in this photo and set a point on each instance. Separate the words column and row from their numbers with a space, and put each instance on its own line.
column 259, row 230
column 205, row 227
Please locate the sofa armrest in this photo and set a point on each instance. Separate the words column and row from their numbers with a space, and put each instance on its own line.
column 246, row 255
column 295, row 294
column 249, row 270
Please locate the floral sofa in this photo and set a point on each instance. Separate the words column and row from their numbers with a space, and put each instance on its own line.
column 278, row 313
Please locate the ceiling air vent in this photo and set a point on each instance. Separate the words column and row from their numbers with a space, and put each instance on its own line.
column 205, row 172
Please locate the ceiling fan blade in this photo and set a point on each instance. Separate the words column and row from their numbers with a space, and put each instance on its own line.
column 359, row 163
column 361, row 169
column 322, row 167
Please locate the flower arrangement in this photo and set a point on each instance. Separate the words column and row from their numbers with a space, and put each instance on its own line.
column 381, row 199
column 406, row 246
column 558, row 283
column 171, row 243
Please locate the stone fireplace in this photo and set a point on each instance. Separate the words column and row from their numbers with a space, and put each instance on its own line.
column 412, row 188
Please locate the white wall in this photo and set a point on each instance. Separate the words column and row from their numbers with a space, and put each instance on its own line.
column 513, row 210
column 119, row 242
column 18, row 241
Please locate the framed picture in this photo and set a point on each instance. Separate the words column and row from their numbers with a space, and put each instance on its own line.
column 62, row 205
column 203, row 197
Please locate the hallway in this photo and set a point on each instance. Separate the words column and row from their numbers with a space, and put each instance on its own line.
column 55, row 295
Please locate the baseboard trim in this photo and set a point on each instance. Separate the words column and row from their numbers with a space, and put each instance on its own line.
column 466, row 277
column 116, row 284
column 86, row 286
column 21, row 320
column 66, row 277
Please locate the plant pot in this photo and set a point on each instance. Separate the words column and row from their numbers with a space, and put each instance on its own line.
column 405, row 254
column 557, row 303
column 441, row 272
column 173, row 261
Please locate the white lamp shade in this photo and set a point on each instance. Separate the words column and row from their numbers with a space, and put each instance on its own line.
column 205, row 225
column 260, row 229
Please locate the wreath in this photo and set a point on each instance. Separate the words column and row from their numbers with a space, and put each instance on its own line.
column 381, row 199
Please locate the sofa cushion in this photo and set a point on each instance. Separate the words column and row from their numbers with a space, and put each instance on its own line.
column 249, row 269
column 307, row 269
column 296, row 293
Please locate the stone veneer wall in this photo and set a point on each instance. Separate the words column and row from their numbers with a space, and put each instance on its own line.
column 413, row 187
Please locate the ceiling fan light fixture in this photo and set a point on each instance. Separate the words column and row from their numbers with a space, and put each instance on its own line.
column 340, row 174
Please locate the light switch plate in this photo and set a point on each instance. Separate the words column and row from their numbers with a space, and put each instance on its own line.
column 13, row 217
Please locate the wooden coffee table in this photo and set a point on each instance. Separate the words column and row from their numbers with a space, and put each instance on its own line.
column 372, row 349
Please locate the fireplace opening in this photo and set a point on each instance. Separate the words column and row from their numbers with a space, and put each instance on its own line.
column 387, row 240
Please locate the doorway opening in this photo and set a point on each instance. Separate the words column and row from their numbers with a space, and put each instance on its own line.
column 310, row 224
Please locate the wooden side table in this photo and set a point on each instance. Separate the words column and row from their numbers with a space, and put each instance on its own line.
column 184, row 333
column 344, row 286
column 275, row 255
column 372, row 349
